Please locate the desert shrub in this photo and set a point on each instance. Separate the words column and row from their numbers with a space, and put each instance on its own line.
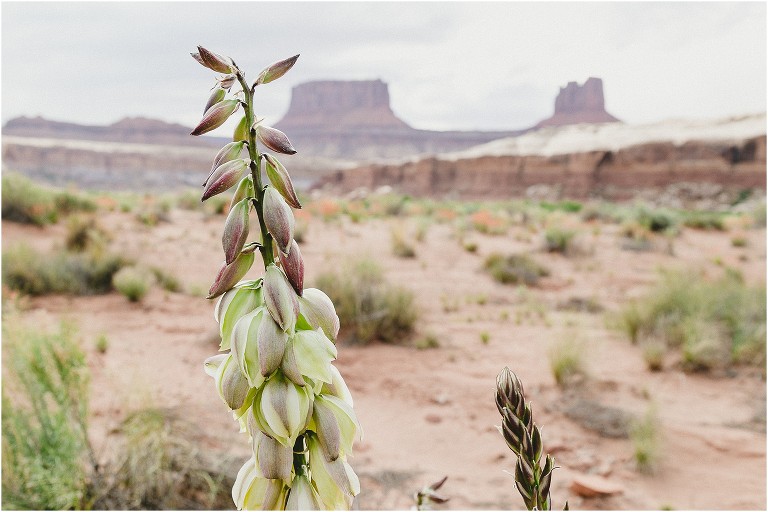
column 133, row 282
column 167, row 282
column 32, row 273
column 369, row 307
column 102, row 344
column 161, row 466
column 653, row 355
column 154, row 211
column 27, row 202
column 645, row 436
column 489, row 223
column 514, row 269
column 759, row 215
column 565, row 206
column 45, row 403
column 401, row 247
column 427, row 341
column 739, row 241
column 566, row 360
column 704, row 220
column 67, row 202
column 713, row 322
column 560, row 240
column 636, row 237
column 656, row 220
column 84, row 233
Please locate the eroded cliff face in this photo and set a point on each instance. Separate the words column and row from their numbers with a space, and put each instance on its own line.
column 579, row 104
column 612, row 175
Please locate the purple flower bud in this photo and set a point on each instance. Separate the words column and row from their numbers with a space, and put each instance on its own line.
column 278, row 219
column 225, row 176
column 280, row 299
column 317, row 308
column 290, row 366
column 236, row 230
column 271, row 343
column 274, row 459
column 279, row 178
column 216, row 116
column 216, row 96
column 230, row 274
column 275, row 71
column 212, row 60
column 293, row 266
column 225, row 154
column 274, row 139
column 227, row 81
column 241, row 130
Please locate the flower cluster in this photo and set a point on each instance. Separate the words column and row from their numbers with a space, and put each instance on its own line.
column 276, row 375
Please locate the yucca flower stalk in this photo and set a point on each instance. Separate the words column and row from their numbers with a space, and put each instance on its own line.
column 523, row 437
column 277, row 338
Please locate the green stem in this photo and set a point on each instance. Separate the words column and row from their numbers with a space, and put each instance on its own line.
column 267, row 253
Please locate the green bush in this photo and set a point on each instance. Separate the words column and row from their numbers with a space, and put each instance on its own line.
column 559, row 240
column 33, row 273
column 45, row 404
column 656, row 220
column 566, row 360
column 713, row 322
column 369, row 308
column 29, row 203
column 84, row 233
column 514, row 269
column 704, row 221
column 645, row 436
column 132, row 282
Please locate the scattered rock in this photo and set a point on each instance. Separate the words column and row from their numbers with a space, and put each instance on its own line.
column 433, row 418
column 592, row 486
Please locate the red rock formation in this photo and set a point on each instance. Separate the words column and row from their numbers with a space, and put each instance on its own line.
column 579, row 104
column 331, row 105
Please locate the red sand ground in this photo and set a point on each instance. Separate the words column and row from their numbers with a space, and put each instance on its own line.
column 430, row 413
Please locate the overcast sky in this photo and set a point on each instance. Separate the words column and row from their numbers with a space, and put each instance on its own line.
column 448, row 65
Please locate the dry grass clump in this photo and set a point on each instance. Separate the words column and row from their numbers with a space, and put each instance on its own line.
column 704, row 220
column 161, row 466
column 645, row 435
column 85, row 233
column 76, row 273
column 489, row 223
column 560, row 240
column 713, row 323
column 567, row 361
column 133, row 282
column 369, row 307
column 514, row 269
column 401, row 247
column 26, row 202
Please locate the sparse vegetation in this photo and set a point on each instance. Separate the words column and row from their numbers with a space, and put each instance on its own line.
column 645, row 436
column 566, row 360
column 560, row 240
column 400, row 245
column 102, row 344
column 369, row 308
column 704, row 220
column 133, row 282
column 427, row 341
column 26, row 202
column 33, row 273
column 713, row 322
column 514, row 269
column 85, row 233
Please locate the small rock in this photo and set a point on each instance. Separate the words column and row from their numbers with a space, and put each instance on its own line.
column 441, row 399
column 590, row 486
column 433, row 418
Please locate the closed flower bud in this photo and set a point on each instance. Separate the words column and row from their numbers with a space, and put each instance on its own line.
column 212, row 60
column 271, row 342
column 336, row 424
column 227, row 81
column 290, row 367
column 225, row 154
column 231, row 383
column 234, row 304
column 241, row 130
column 225, row 176
column 335, row 480
column 216, row 96
column 236, row 230
column 211, row 365
column 282, row 409
column 244, row 345
column 274, row 139
column 280, row 299
column 275, row 71
column 302, row 495
column 278, row 218
column 230, row 274
column 252, row 492
column 314, row 353
column 244, row 190
column 280, row 179
column 273, row 460
column 318, row 310
column 216, row 116
column 293, row 266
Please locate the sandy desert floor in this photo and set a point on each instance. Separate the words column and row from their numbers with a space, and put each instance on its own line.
column 431, row 413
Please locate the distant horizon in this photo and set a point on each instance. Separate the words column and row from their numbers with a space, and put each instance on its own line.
column 450, row 65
